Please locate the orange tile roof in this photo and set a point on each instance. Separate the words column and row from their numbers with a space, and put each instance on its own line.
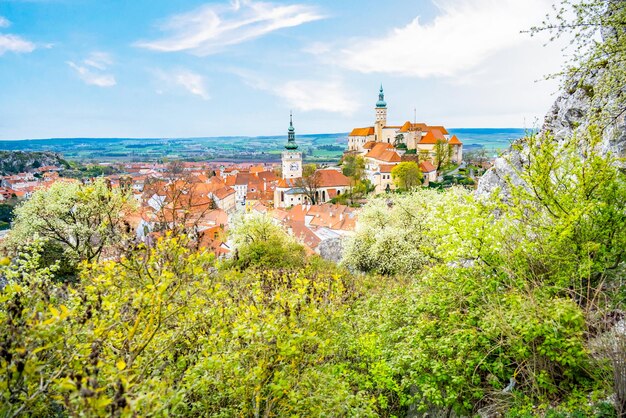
column 223, row 192
column 386, row 168
column 427, row 167
column 362, row 131
column 439, row 128
column 257, row 169
column 287, row 183
column 267, row 176
column 454, row 141
column 408, row 126
column 383, row 152
column 429, row 138
column 369, row 145
column 331, row 178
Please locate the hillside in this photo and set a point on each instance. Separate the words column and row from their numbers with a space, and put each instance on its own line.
column 13, row 162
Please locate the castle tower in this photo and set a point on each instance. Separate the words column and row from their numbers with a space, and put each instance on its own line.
column 291, row 158
column 381, row 115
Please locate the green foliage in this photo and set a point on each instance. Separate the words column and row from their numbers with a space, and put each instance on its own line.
column 353, row 166
column 86, row 220
column 443, row 154
column 394, row 233
column 261, row 244
column 6, row 212
column 164, row 333
column 497, row 289
column 407, row 175
column 574, row 201
column 87, row 171
column 596, row 29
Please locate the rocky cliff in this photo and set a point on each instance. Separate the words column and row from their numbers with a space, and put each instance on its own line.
column 570, row 113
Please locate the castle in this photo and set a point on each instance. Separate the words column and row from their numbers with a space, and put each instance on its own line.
column 408, row 136
column 383, row 146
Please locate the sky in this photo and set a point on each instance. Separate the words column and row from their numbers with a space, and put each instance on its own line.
column 189, row 68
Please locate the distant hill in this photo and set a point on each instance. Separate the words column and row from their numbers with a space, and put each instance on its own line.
column 317, row 148
column 13, row 162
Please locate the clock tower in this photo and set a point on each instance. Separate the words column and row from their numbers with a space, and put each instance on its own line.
column 291, row 158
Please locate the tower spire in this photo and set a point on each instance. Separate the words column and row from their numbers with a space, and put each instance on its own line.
column 291, row 135
column 381, row 98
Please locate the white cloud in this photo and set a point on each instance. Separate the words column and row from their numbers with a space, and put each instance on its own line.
column 191, row 82
column 306, row 95
column 14, row 43
column 92, row 70
column 4, row 22
column 463, row 36
column 211, row 28
column 99, row 60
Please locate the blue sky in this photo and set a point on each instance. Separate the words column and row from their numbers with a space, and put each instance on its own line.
column 166, row 68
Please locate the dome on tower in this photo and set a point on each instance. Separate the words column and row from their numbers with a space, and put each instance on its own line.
column 381, row 98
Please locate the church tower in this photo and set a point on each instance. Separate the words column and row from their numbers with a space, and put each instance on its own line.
column 291, row 158
column 381, row 115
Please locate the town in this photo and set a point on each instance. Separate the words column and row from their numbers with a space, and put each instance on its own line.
column 318, row 205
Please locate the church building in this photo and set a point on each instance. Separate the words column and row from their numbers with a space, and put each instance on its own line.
column 292, row 190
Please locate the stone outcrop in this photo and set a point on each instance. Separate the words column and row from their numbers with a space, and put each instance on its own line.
column 13, row 162
column 569, row 114
column 331, row 249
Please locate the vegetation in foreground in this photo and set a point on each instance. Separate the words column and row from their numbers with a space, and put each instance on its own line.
column 463, row 305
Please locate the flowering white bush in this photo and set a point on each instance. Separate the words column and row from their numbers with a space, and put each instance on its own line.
column 402, row 233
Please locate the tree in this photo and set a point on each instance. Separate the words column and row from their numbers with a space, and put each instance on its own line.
column 477, row 157
column 86, row 220
column 163, row 333
column 399, row 142
column 407, row 175
column 598, row 29
column 6, row 212
column 353, row 167
column 259, row 243
column 443, row 154
column 309, row 183
column 182, row 201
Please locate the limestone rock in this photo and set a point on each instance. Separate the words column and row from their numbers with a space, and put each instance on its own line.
column 568, row 114
column 331, row 249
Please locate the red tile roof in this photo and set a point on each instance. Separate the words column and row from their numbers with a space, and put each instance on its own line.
column 331, row 178
column 384, row 152
column 427, row 167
